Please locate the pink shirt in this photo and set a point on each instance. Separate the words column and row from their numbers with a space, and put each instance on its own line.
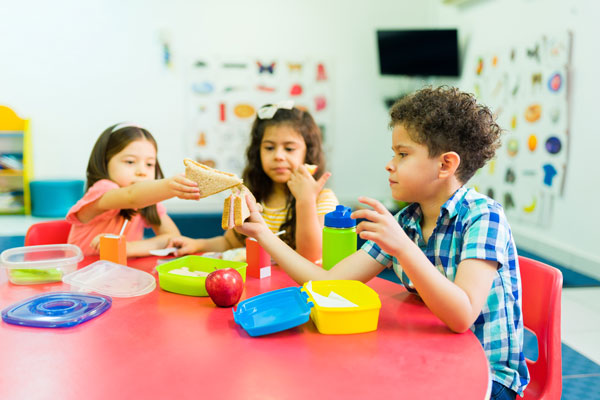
column 108, row 222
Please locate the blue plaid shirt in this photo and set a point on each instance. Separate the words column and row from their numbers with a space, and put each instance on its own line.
column 471, row 225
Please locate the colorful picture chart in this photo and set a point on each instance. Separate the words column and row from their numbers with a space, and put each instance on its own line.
column 225, row 93
column 525, row 85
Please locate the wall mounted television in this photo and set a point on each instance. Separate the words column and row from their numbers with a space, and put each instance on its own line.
column 418, row 52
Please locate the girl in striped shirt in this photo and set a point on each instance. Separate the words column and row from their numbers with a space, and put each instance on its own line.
column 283, row 139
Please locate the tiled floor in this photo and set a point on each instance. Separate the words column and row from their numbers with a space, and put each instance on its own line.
column 581, row 333
column 581, row 321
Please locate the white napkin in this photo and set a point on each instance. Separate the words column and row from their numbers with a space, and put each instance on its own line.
column 332, row 300
column 163, row 252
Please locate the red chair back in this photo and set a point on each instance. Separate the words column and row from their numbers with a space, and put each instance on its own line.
column 542, row 288
column 51, row 232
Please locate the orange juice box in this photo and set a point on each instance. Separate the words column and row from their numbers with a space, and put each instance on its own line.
column 113, row 248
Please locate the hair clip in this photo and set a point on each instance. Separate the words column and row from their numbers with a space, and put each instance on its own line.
column 122, row 125
column 268, row 111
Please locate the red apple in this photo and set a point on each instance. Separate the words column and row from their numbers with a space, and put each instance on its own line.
column 225, row 286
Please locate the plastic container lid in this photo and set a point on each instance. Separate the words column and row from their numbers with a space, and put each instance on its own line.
column 340, row 218
column 56, row 310
column 111, row 279
column 41, row 257
column 273, row 311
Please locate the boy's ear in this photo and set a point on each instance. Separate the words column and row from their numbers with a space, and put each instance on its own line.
column 449, row 163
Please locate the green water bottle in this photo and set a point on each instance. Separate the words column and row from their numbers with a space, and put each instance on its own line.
column 339, row 236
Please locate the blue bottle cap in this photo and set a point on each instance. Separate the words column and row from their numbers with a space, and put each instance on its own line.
column 340, row 218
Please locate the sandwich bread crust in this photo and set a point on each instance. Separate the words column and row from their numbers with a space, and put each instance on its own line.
column 210, row 180
column 235, row 210
column 311, row 168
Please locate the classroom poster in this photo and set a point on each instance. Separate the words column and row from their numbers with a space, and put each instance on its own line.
column 225, row 93
column 525, row 84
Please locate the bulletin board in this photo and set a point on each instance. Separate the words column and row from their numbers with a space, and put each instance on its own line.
column 223, row 95
column 526, row 86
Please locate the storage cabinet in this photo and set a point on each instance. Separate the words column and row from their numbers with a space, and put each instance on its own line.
column 15, row 163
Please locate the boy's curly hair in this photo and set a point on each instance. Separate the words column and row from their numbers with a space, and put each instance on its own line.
column 446, row 119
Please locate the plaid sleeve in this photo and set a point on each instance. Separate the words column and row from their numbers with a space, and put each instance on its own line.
column 372, row 249
column 487, row 236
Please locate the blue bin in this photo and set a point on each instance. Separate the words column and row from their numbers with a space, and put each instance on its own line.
column 54, row 198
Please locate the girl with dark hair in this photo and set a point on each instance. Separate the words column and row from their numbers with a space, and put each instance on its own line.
column 283, row 139
column 125, row 183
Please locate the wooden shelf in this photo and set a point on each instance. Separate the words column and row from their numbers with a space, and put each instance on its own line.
column 14, row 132
column 12, row 211
column 11, row 172
column 11, row 133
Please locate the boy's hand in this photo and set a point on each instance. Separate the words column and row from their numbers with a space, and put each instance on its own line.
column 381, row 227
column 304, row 186
column 185, row 245
column 255, row 225
column 183, row 187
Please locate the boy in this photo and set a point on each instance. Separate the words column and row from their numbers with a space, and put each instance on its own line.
column 452, row 245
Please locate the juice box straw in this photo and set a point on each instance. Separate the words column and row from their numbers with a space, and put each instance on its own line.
column 123, row 227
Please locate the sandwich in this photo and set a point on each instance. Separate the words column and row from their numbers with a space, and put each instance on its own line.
column 210, row 180
column 235, row 209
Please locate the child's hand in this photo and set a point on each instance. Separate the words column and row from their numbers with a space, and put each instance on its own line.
column 304, row 187
column 255, row 225
column 380, row 227
column 95, row 243
column 185, row 245
column 183, row 187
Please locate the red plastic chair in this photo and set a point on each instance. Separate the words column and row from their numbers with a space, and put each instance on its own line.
column 542, row 288
column 51, row 232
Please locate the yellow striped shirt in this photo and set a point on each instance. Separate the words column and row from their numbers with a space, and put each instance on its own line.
column 274, row 217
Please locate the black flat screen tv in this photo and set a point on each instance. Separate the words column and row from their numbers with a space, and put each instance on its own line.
column 418, row 52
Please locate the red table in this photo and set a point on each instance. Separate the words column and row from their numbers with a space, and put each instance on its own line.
column 168, row 346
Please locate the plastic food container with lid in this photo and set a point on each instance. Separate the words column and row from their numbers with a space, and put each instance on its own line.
column 193, row 285
column 273, row 311
column 111, row 279
column 336, row 307
column 344, row 320
column 40, row 264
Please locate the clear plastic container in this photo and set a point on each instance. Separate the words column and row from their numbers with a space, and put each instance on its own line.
column 111, row 279
column 40, row 264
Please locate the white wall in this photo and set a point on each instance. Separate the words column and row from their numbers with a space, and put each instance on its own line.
column 76, row 67
column 574, row 236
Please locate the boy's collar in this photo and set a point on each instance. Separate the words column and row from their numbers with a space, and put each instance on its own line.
column 410, row 216
column 451, row 204
column 413, row 212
